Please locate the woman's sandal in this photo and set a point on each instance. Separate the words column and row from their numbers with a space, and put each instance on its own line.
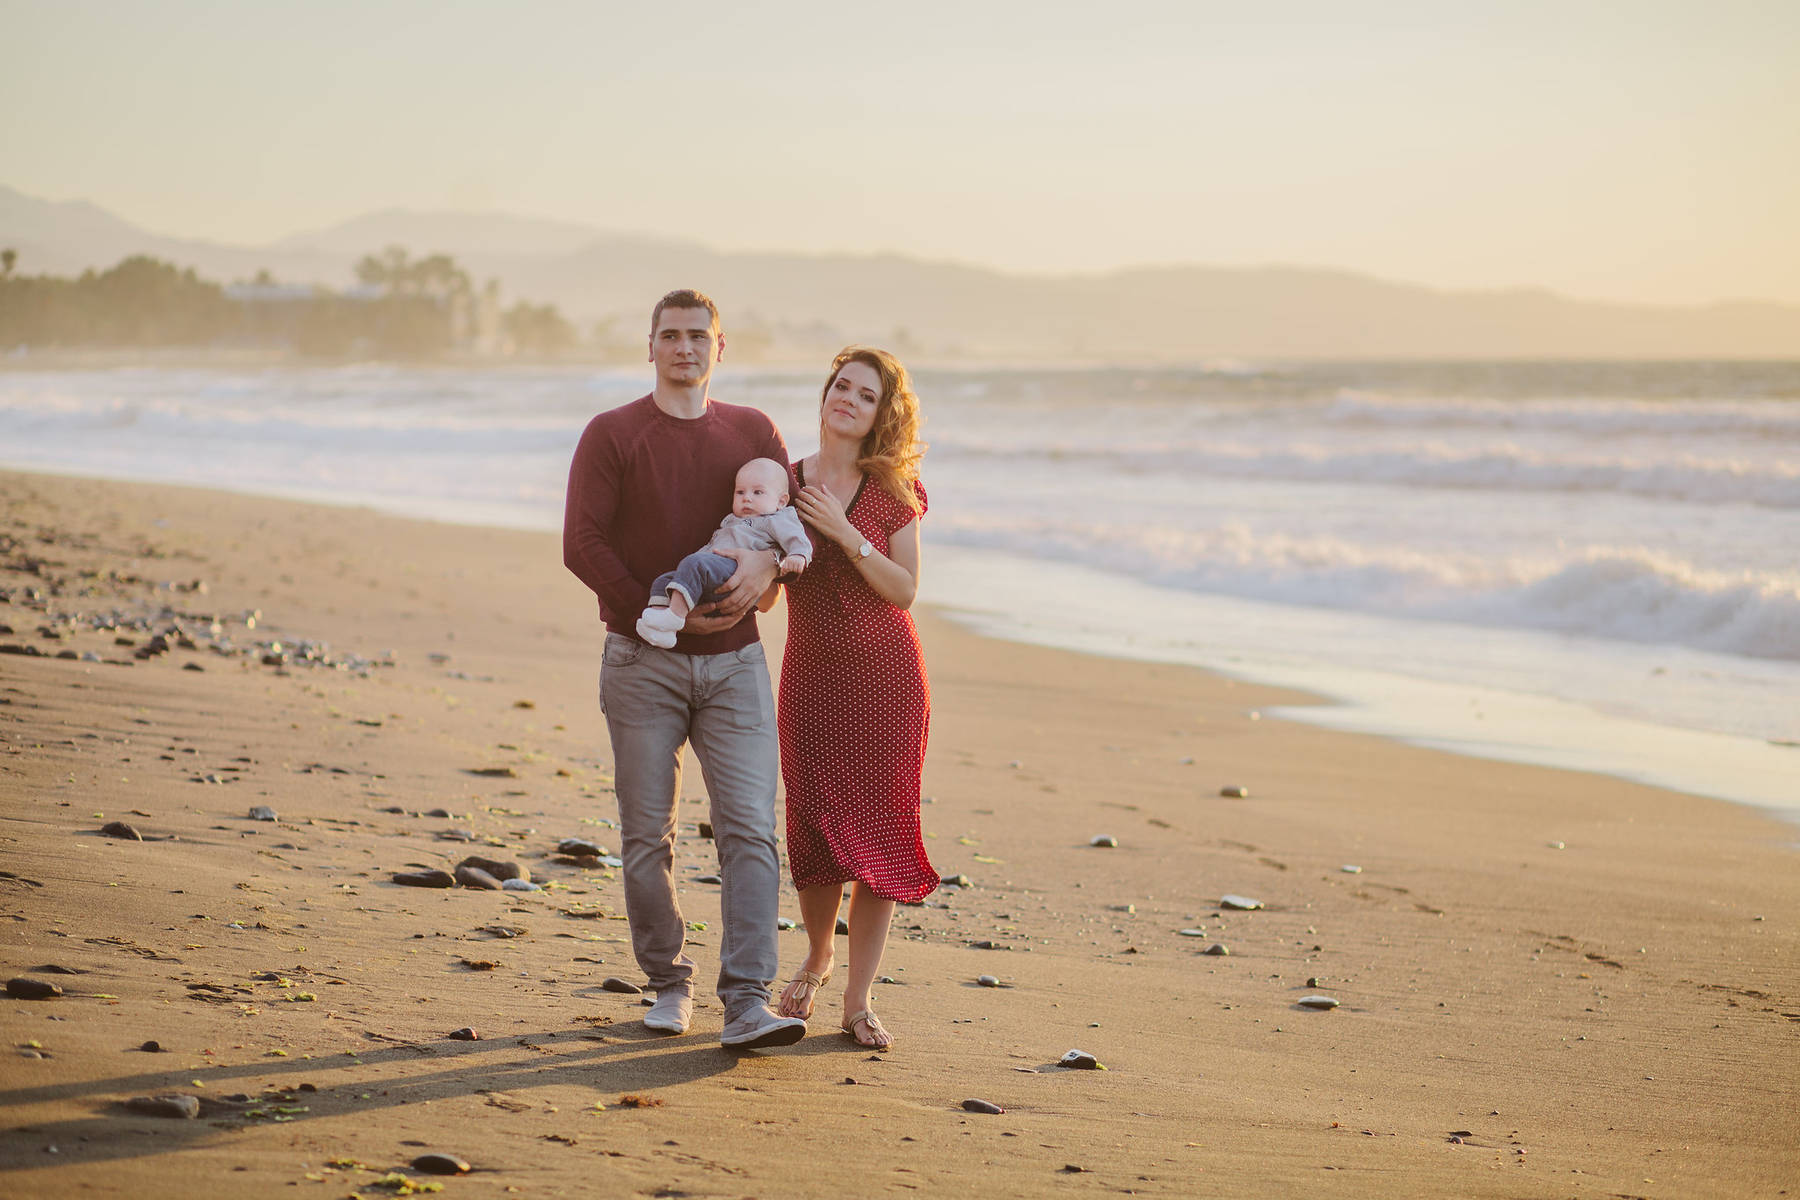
column 872, row 1023
column 812, row 983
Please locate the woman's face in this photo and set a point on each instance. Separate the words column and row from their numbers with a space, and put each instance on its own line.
column 851, row 401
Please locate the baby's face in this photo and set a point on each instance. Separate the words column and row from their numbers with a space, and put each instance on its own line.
column 761, row 489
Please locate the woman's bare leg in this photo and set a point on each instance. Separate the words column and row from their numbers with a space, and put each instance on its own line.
column 870, row 916
column 818, row 910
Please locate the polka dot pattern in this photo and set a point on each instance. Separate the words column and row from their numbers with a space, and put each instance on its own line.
column 855, row 713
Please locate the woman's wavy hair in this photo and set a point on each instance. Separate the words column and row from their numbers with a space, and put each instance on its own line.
column 891, row 450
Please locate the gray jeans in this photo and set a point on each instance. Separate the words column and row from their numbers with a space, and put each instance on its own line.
column 655, row 702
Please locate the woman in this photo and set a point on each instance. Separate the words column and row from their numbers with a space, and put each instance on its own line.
column 855, row 707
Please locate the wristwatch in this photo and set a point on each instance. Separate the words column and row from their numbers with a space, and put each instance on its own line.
column 863, row 551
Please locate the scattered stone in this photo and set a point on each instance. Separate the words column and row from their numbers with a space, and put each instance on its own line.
column 1319, row 1002
column 1193, row 933
column 440, row 1164
column 1104, row 839
column 440, row 812
column 54, row 969
column 988, row 980
column 524, row 704
column 475, row 877
column 492, row 772
column 961, row 881
column 1241, row 903
column 152, row 1047
column 988, row 944
column 785, row 923
column 1350, row 869
column 580, row 846
column 982, row 1106
column 611, row 860
column 175, row 1105
column 1314, row 981
column 456, row 835
column 706, row 830
column 478, row 964
column 1235, row 793
column 519, row 885
column 392, row 808
column 119, row 829
column 32, row 989
column 431, row 879
column 1217, row 950
column 1080, row 1060
column 612, row 983
column 1071, row 1168
column 708, row 879
column 501, row 869
column 262, row 812
column 1122, row 908
column 465, row 1034
column 843, row 926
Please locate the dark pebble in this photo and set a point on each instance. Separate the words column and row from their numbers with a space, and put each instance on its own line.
column 176, row 1106
column 120, row 829
column 843, row 926
column 961, row 881
column 456, row 835
column 1072, row 1169
column 32, row 989
column 500, row 869
column 440, row 1164
column 987, row 980
column 982, row 1106
column 613, row 983
column 439, row 812
column 706, row 830
column 707, row 879
column 151, row 1047
column 985, row 944
column 465, row 1034
column 262, row 812
column 1217, row 950
column 54, row 969
column 1314, row 981
column 392, row 808
column 1235, row 793
column 1104, row 840
column 493, row 772
column 580, row 846
column 192, row 667
column 475, row 877
column 436, row 879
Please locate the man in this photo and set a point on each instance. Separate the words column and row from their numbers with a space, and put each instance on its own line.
column 649, row 483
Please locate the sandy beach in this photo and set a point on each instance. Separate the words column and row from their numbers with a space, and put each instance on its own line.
column 1547, row 983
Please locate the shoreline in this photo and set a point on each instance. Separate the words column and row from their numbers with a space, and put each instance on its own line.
column 1596, row 981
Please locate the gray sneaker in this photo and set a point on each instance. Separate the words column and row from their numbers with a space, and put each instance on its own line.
column 759, row 1027
column 672, row 1012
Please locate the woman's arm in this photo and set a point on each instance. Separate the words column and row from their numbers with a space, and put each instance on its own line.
column 894, row 574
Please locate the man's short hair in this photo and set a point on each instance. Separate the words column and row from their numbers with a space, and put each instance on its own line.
column 684, row 298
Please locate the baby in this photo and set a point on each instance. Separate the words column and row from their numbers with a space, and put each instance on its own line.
column 761, row 519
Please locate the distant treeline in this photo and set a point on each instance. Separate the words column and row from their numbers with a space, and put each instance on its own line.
column 402, row 308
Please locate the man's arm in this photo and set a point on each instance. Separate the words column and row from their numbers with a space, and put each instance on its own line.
column 588, row 513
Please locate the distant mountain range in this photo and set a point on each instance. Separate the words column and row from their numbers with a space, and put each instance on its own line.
column 946, row 310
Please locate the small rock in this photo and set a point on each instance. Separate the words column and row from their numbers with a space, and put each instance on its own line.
column 475, row 877
column 1193, row 933
column 492, row 772
column 786, row 923
column 982, row 1106
column 32, row 989
column 706, row 830
column 262, row 812
column 988, row 980
column 1319, row 1002
column 1080, row 1060
column 465, row 1034
column 843, row 926
column 1350, row 869
column 54, row 969
column 961, row 881
column 580, row 846
column 432, row 879
column 519, row 885
column 151, row 1047
column 611, row 860
column 1217, row 950
column 176, row 1106
column 439, row 812
column 501, row 869
column 456, row 835
column 1103, row 839
column 1072, row 1169
column 613, row 983
column 1235, row 793
column 1314, row 981
column 712, row 879
column 1121, row 908
column 1242, row 903
column 440, row 1164
column 119, row 829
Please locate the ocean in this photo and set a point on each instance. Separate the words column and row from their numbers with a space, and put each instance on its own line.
column 1593, row 566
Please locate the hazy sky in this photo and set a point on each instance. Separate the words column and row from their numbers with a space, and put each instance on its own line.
column 1640, row 149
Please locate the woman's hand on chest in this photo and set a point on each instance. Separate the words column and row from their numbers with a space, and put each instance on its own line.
column 821, row 508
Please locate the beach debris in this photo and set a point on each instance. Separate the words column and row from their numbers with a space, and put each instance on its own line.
column 1557, row 846
column 1319, row 1002
column 1105, row 840
column 843, row 926
column 492, row 772
column 443, row 813
column 1241, row 903
column 639, row 1100
column 579, row 847
column 1072, row 1169
column 477, row 964
column 519, row 885
column 706, row 830
column 786, row 923
column 524, row 703
column 501, row 869
column 1350, row 869
column 465, row 1034
column 440, row 1164
column 987, row 944
column 961, row 881
column 1193, row 933
column 119, row 829
column 988, row 980
column 32, row 989
column 714, row 879
column 1122, row 908
column 1080, row 1060
column 982, row 1106
column 1314, row 981
column 1217, row 950
column 430, row 879
column 456, row 835
column 612, row 983
column 1235, row 792
column 475, row 877
column 261, row 812
column 175, row 1105
column 152, row 1047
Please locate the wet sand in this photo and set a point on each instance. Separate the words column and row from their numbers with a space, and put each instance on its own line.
column 1549, row 983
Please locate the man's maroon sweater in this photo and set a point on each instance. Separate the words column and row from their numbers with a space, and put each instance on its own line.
column 645, row 489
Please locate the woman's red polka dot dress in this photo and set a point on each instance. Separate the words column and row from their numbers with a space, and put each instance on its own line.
column 854, row 716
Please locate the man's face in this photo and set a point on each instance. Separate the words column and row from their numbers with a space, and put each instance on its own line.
column 684, row 346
